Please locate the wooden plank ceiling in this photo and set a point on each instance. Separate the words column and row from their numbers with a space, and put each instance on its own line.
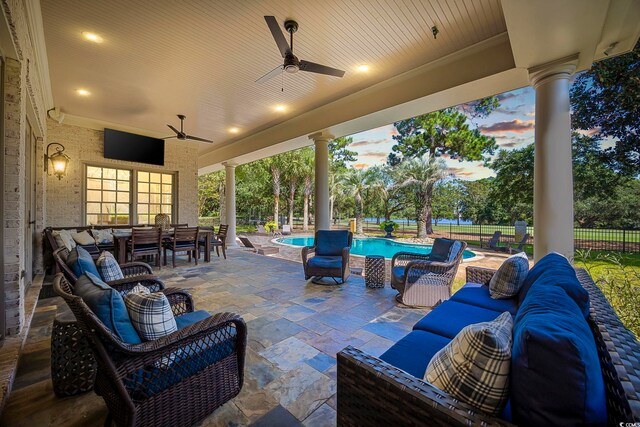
column 201, row 58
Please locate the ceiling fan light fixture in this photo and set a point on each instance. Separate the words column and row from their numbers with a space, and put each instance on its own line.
column 291, row 68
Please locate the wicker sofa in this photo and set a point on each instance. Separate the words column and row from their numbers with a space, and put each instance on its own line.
column 374, row 391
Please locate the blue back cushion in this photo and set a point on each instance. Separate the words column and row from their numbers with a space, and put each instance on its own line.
column 331, row 242
column 81, row 262
column 554, row 270
column 555, row 371
column 108, row 305
column 440, row 249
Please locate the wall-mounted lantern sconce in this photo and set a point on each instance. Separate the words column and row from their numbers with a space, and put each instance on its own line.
column 59, row 160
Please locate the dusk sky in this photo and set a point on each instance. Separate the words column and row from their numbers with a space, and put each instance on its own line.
column 512, row 125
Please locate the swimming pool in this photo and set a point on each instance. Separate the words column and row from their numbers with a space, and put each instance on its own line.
column 371, row 246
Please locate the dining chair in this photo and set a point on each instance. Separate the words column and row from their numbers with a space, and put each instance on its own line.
column 145, row 241
column 219, row 241
column 185, row 239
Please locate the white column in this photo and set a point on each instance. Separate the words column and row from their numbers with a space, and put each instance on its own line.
column 553, row 167
column 230, row 199
column 321, row 200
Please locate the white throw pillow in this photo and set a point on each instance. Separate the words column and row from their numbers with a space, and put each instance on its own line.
column 507, row 281
column 474, row 367
column 150, row 313
column 102, row 236
column 64, row 239
column 82, row 238
column 108, row 267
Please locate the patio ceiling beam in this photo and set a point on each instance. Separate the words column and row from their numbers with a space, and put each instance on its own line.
column 484, row 69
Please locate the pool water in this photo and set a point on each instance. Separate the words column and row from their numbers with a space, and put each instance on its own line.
column 372, row 246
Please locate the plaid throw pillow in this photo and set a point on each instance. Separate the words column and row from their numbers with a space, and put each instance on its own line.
column 108, row 267
column 150, row 313
column 474, row 367
column 508, row 280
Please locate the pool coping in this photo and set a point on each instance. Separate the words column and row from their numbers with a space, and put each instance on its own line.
column 477, row 256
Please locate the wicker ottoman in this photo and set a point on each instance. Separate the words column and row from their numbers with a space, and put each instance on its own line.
column 73, row 367
column 374, row 271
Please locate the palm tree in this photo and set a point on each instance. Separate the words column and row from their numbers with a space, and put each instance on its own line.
column 275, row 165
column 356, row 182
column 420, row 174
column 307, row 172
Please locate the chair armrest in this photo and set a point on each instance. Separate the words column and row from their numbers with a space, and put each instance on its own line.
column 305, row 253
column 180, row 300
column 136, row 268
column 434, row 267
column 148, row 280
column 373, row 392
column 403, row 258
column 479, row 275
column 345, row 253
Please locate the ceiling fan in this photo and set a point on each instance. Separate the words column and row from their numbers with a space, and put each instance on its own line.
column 291, row 62
column 181, row 134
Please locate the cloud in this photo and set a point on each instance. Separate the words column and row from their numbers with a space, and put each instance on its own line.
column 459, row 171
column 507, row 95
column 360, row 165
column 510, row 142
column 374, row 154
column 514, row 126
column 366, row 142
column 512, row 111
column 589, row 132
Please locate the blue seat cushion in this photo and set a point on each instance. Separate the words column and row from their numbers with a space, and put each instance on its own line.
column 106, row 303
column 325, row 262
column 413, row 353
column 177, row 366
column 450, row 317
column 556, row 377
column 554, row 270
column 189, row 319
column 331, row 242
column 478, row 295
column 440, row 250
column 397, row 273
column 81, row 262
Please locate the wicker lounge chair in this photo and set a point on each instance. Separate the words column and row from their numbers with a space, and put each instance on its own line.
column 331, row 258
column 175, row 380
column 425, row 280
column 262, row 250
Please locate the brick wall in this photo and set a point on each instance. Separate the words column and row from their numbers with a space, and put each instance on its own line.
column 85, row 146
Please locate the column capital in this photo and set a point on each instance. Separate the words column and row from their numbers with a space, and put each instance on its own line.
column 562, row 68
column 323, row 135
column 229, row 164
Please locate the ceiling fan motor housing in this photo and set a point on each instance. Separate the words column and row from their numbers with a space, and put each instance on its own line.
column 291, row 63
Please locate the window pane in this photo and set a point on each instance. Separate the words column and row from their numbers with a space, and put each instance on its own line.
column 123, row 197
column 155, row 188
column 109, row 173
column 108, row 184
column 143, row 208
column 123, row 185
column 123, row 174
column 154, row 177
column 143, row 198
column 93, row 172
column 143, row 187
column 108, row 196
column 154, row 209
column 108, row 208
column 166, row 198
column 143, row 219
column 166, row 178
column 94, row 184
column 122, row 208
column 166, row 209
column 154, row 198
column 92, row 219
column 143, row 176
column 93, row 196
column 93, row 208
column 123, row 219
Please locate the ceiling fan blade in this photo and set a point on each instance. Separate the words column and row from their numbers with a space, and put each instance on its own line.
column 174, row 129
column 196, row 138
column 271, row 74
column 170, row 137
column 312, row 67
column 277, row 34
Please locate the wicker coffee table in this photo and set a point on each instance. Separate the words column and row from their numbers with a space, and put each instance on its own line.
column 73, row 367
column 374, row 271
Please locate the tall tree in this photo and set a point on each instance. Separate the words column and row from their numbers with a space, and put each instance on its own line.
column 339, row 155
column 513, row 184
column 292, row 168
column 357, row 181
column 419, row 174
column 275, row 166
column 446, row 200
column 444, row 132
column 392, row 197
column 605, row 102
column 307, row 172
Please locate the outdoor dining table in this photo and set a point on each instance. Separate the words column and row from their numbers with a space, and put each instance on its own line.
column 120, row 239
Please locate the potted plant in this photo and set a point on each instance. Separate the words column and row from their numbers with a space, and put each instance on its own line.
column 271, row 226
column 389, row 227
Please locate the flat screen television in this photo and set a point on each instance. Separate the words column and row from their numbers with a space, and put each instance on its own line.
column 120, row 145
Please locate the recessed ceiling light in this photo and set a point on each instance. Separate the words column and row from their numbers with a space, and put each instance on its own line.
column 362, row 68
column 234, row 130
column 92, row 37
column 83, row 92
column 280, row 108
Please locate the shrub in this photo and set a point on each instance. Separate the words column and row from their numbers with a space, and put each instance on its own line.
column 271, row 226
column 394, row 224
column 619, row 282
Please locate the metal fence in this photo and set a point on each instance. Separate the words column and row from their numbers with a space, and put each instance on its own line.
column 618, row 240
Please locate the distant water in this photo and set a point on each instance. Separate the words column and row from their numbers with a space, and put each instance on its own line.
column 413, row 221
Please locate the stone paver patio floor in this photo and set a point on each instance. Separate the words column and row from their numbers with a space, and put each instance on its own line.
column 295, row 330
